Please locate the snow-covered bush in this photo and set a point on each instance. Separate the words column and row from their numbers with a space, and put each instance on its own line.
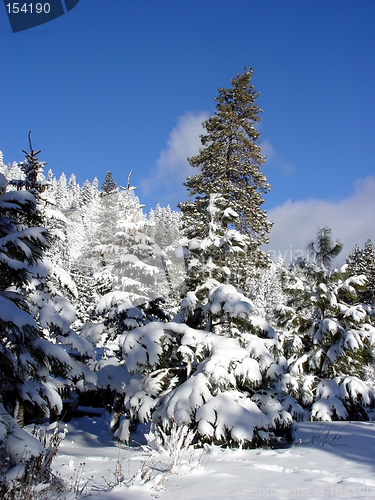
column 25, row 460
column 343, row 398
column 217, row 380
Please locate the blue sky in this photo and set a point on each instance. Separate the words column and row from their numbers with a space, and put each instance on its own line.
column 123, row 85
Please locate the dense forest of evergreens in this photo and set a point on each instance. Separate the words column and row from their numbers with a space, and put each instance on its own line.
column 177, row 318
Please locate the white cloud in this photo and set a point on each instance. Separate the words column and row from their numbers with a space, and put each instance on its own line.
column 172, row 167
column 268, row 149
column 274, row 159
column 351, row 220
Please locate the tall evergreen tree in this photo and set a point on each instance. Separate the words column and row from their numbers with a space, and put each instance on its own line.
column 74, row 192
column 86, row 194
column 62, row 192
column 25, row 355
column 230, row 164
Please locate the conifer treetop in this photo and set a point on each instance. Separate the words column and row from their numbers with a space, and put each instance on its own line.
column 231, row 158
column 323, row 249
column 32, row 169
column 108, row 185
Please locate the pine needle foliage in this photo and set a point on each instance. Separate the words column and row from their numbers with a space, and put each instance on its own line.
column 362, row 261
column 323, row 250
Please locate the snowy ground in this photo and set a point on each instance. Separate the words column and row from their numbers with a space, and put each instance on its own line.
column 329, row 460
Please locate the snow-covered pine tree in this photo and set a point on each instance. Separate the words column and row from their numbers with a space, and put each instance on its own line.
column 26, row 357
column 264, row 288
column 62, row 193
column 90, row 227
column 74, row 192
column 328, row 337
column 32, row 168
column 163, row 226
column 50, row 285
column 214, row 369
column 126, row 260
column 52, row 219
column 138, row 259
column 10, row 172
column 230, row 164
column 362, row 261
column 121, row 256
column 217, row 380
column 86, row 194
column 96, row 257
column 83, row 228
column 109, row 213
column 211, row 246
column 108, row 185
column 130, row 263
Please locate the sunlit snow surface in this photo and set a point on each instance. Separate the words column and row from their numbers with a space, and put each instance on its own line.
column 328, row 460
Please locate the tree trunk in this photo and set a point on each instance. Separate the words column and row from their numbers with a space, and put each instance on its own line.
column 19, row 413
